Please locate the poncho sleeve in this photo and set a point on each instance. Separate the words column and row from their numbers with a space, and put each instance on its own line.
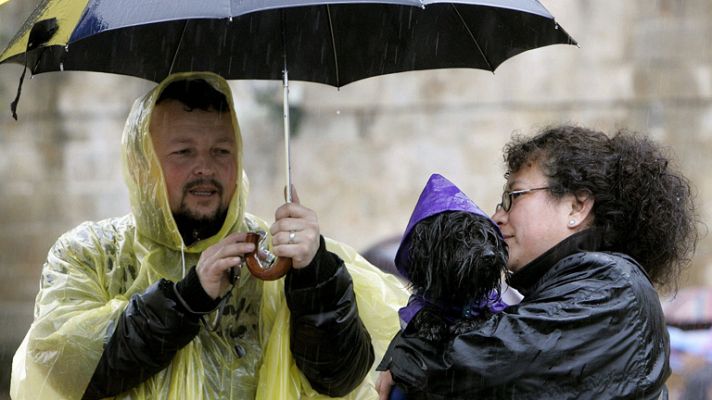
column 73, row 316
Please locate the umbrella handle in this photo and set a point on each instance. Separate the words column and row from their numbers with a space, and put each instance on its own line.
column 271, row 272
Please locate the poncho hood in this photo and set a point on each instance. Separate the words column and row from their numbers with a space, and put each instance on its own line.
column 144, row 176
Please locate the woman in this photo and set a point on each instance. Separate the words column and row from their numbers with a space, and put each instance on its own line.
column 592, row 224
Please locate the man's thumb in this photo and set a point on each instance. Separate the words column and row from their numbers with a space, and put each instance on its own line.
column 295, row 196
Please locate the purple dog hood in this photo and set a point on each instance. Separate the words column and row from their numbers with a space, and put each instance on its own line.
column 439, row 195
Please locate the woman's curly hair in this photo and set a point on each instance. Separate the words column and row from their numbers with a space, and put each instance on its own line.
column 642, row 205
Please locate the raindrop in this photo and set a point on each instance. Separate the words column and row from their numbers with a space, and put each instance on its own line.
column 230, row 19
column 338, row 112
column 556, row 26
column 61, row 67
column 240, row 351
column 66, row 48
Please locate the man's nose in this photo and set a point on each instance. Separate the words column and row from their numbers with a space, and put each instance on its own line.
column 204, row 165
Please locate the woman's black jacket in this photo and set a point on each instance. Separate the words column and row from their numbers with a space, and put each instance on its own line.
column 590, row 326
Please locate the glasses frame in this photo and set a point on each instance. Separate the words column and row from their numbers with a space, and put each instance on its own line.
column 509, row 196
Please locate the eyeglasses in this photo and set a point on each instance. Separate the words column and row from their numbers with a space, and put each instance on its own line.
column 508, row 197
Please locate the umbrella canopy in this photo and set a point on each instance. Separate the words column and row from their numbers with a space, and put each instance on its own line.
column 334, row 42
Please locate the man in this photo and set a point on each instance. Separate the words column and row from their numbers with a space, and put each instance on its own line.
column 153, row 305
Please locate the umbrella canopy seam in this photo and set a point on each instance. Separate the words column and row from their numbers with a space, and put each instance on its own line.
column 175, row 53
column 472, row 36
column 333, row 46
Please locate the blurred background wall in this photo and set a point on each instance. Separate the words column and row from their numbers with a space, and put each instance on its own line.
column 362, row 153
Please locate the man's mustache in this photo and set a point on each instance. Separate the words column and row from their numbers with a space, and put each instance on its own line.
column 201, row 182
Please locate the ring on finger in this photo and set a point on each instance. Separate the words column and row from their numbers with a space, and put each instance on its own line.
column 292, row 237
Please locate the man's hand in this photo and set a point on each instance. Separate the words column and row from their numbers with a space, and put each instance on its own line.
column 215, row 262
column 295, row 233
column 384, row 385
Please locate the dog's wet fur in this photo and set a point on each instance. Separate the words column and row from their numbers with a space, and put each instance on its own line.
column 456, row 257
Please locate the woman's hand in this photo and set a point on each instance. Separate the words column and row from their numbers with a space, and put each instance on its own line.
column 384, row 385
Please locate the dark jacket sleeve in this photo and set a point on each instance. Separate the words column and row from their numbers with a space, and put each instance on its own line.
column 329, row 342
column 152, row 328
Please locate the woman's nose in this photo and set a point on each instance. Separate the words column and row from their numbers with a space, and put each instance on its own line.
column 499, row 216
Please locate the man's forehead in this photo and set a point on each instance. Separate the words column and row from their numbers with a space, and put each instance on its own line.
column 175, row 118
column 175, row 108
column 189, row 137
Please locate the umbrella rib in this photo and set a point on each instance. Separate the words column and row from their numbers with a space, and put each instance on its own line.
column 472, row 36
column 333, row 45
column 175, row 54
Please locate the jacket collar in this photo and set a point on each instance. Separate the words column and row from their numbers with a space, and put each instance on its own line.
column 529, row 275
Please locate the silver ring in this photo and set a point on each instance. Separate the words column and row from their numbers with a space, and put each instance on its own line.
column 292, row 236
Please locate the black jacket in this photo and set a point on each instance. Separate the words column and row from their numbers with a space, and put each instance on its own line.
column 590, row 326
column 328, row 340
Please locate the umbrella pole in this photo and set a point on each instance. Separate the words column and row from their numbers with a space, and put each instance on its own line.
column 287, row 152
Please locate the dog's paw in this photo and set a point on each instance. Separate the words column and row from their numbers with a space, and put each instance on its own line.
column 427, row 325
column 462, row 326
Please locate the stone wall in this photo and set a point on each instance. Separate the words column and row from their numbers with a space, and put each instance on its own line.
column 362, row 153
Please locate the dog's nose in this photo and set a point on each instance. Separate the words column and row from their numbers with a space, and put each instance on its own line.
column 487, row 255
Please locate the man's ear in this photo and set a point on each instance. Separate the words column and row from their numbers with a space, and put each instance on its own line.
column 581, row 215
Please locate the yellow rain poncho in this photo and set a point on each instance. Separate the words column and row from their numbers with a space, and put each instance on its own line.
column 92, row 272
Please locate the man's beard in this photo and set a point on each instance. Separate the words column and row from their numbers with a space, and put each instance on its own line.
column 193, row 227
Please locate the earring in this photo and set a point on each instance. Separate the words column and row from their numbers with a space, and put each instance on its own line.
column 572, row 222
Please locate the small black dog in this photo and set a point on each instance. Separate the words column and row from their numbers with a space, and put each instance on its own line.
column 455, row 258
column 456, row 263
